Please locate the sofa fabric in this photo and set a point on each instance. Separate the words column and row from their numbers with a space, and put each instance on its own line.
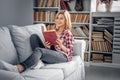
column 79, row 48
column 7, row 66
column 19, row 49
column 21, row 35
column 7, row 50
column 68, row 68
column 8, row 75
column 43, row 74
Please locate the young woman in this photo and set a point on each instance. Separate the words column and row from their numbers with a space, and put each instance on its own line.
column 62, row 52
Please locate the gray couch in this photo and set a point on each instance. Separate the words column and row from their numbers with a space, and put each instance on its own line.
column 15, row 48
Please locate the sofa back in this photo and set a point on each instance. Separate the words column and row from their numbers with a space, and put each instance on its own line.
column 21, row 38
column 7, row 50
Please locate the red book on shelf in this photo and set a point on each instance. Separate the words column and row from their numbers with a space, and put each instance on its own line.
column 50, row 36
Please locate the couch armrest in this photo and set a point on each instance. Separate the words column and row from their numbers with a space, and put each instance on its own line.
column 8, row 75
column 79, row 48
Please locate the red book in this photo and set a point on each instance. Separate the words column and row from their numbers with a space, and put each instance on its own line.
column 50, row 36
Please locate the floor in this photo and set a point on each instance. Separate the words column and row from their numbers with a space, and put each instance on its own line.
column 102, row 73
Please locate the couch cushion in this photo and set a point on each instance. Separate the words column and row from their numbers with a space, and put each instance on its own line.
column 21, row 35
column 68, row 67
column 79, row 48
column 7, row 50
column 43, row 74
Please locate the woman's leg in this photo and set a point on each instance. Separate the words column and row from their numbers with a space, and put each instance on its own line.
column 31, row 61
column 35, row 42
column 46, row 55
column 51, row 57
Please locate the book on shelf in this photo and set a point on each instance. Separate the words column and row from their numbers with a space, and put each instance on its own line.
column 87, row 19
column 45, row 3
column 97, row 61
column 56, row 3
column 97, row 36
column 50, row 3
column 41, row 2
column 80, row 32
column 48, row 16
column 108, row 59
column 108, row 36
column 105, row 21
column 86, row 56
column 87, row 45
column 50, row 36
column 108, row 39
column 107, row 33
column 74, row 32
column 86, row 30
column 79, row 17
column 50, row 27
column 84, row 18
column 97, row 57
column 36, row 15
column 73, row 17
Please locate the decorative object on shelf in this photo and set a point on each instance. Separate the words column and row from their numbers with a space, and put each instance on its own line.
column 105, row 4
column 79, row 5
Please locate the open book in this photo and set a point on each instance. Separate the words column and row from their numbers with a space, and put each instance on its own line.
column 50, row 36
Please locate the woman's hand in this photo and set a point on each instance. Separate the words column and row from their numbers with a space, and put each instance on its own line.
column 59, row 42
column 47, row 44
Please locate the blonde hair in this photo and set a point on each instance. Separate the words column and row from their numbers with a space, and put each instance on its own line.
column 67, row 18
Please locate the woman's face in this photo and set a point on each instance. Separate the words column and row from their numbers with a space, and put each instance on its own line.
column 60, row 21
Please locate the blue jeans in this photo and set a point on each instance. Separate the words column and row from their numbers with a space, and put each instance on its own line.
column 49, row 56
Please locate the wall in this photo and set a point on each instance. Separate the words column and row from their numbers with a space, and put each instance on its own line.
column 17, row 12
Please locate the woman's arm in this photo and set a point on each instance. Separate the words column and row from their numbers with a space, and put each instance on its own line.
column 67, row 44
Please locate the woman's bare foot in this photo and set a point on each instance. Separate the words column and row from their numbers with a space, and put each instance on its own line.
column 20, row 68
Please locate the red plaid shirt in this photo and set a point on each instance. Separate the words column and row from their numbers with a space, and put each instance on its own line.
column 68, row 41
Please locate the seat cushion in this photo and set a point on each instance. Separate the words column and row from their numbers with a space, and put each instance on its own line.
column 7, row 50
column 21, row 35
column 43, row 74
column 68, row 67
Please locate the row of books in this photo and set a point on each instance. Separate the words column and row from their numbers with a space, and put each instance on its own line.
column 101, row 46
column 102, row 41
column 105, row 21
column 81, row 18
column 50, row 27
column 48, row 16
column 82, row 31
column 97, row 36
column 48, row 3
column 101, row 58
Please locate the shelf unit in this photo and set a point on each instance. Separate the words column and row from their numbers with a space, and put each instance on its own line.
column 105, row 54
column 81, row 18
column 79, row 23
column 44, row 11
